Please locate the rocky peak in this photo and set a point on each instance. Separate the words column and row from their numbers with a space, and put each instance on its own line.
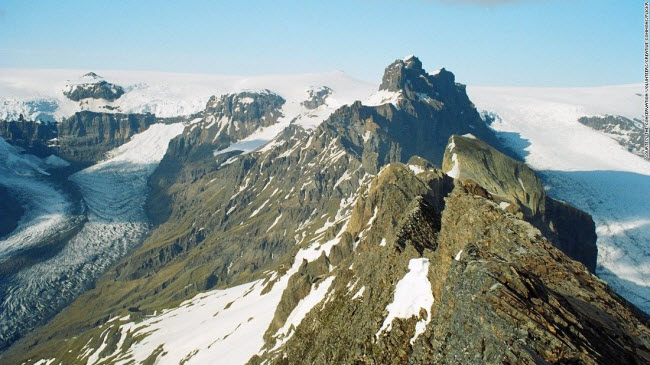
column 316, row 97
column 412, row 62
column 231, row 117
column 92, row 86
column 92, row 75
column 397, row 73
column 415, row 118
column 408, row 76
column 245, row 106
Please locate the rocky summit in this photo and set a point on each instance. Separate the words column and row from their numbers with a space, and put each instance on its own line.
column 92, row 86
column 396, row 230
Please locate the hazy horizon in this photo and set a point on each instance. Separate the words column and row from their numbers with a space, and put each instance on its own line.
column 459, row 78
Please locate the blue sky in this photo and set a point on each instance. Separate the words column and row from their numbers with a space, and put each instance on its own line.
column 484, row 42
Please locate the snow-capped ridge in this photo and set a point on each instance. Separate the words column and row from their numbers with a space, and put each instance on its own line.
column 24, row 91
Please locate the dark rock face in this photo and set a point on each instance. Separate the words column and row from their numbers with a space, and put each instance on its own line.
column 238, row 115
column 430, row 109
column 316, row 97
column 571, row 230
column 520, row 190
column 36, row 137
column 628, row 133
column 94, row 90
column 86, row 136
column 11, row 212
column 534, row 303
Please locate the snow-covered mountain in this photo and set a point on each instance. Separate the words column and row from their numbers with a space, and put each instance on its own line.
column 290, row 218
column 40, row 93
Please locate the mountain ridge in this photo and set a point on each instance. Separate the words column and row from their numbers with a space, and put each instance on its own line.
column 289, row 222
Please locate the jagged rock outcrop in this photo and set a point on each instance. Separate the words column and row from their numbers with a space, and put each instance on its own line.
column 316, row 97
column 627, row 132
column 240, row 114
column 94, row 87
column 534, row 302
column 429, row 108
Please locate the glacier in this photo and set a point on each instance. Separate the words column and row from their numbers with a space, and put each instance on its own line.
column 114, row 193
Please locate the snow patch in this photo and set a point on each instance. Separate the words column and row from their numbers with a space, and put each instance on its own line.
column 382, row 97
column 452, row 145
column 256, row 211
column 412, row 293
column 416, row 169
column 359, row 293
column 455, row 170
column 275, row 222
column 315, row 296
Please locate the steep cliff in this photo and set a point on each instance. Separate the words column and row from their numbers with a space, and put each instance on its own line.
column 520, row 191
column 36, row 137
column 86, row 136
